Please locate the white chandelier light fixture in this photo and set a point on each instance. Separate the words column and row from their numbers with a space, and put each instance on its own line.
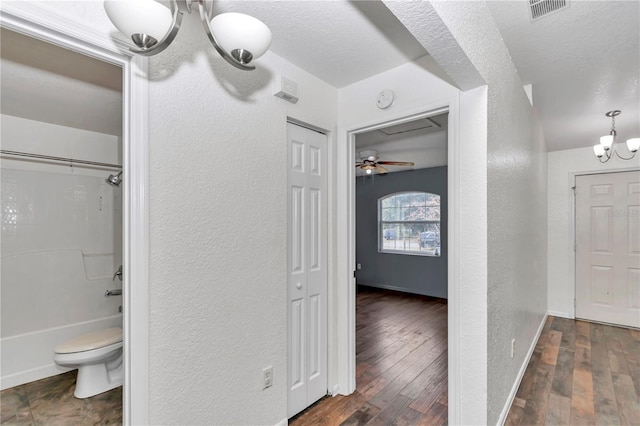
column 237, row 37
column 607, row 146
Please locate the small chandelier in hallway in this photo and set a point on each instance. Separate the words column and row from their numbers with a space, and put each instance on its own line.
column 237, row 37
column 607, row 146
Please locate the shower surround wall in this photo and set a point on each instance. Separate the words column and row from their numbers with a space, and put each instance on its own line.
column 61, row 244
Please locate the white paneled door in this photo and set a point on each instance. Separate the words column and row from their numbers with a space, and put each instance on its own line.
column 307, row 273
column 608, row 248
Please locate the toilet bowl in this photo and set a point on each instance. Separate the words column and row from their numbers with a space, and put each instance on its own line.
column 98, row 358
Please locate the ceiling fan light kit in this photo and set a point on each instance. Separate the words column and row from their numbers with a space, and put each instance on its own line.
column 369, row 162
column 237, row 37
column 607, row 147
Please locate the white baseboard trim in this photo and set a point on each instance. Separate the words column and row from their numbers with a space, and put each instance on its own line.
column 283, row 422
column 560, row 314
column 523, row 368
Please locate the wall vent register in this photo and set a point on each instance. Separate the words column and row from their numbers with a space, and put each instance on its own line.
column 540, row 8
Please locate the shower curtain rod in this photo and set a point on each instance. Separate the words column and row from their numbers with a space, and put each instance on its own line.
column 62, row 159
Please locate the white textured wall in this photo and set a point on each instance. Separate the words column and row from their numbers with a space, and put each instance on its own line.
column 415, row 85
column 218, row 203
column 562, row 166
column 517, row 239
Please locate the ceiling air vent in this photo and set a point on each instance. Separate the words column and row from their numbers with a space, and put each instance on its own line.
column 420, row 124
column 540, row 8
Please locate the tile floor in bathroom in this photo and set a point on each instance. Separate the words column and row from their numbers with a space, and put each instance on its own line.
column 50, row 401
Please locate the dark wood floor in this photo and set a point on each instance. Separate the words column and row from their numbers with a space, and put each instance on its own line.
column 580, row 373
column 401, row 365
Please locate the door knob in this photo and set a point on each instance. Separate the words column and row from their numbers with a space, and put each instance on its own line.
column 299, row 286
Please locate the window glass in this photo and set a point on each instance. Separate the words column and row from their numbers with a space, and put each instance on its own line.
column 409, row 223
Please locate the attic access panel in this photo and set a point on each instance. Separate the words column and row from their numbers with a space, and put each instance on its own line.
column 421, row 124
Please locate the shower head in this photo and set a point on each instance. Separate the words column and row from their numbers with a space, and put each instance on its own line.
column 114, row 180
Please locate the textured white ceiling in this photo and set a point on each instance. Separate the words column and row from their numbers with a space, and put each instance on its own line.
column 582, row 62
column 43, row 82
column 338, row 41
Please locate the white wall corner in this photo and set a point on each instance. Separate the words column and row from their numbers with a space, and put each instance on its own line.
column 528, row 89
column 523, row 368
column 469, row 311
column 561, row 314
column 283, row 422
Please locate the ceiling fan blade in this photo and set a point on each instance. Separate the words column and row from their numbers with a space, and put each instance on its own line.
column 381, row 169
column 359, row 164
column 398, row 163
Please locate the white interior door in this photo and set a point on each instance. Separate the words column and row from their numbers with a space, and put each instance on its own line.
column 608, row 248
column 307, row 276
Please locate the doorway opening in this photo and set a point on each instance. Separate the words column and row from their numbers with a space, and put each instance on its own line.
column 401, row 243
column 62, row 230
column 607, row 241
column 40, row 24
column 348, row 352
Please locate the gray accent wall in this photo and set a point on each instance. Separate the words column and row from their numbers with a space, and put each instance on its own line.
column 424, row 275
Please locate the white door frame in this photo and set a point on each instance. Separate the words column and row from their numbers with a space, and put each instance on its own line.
column 343, row 306
column 572, row 226
column 40, row 23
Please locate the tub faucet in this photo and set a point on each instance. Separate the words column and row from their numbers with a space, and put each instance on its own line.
column 118, row 274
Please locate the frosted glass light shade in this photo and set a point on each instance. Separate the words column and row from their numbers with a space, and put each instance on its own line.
column 633, row 144
column 139, row 17
column 606, row 141
column 239, row 31
column 598, row 150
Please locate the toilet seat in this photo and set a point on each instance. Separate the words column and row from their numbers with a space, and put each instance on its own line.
column 87, row 357
column 91, row 341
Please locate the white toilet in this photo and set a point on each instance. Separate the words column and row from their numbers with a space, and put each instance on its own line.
column 98, row 358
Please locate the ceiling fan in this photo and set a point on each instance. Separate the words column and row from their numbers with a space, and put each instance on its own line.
column 369, row 162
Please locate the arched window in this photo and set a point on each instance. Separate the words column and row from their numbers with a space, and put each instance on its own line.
column 409, row 223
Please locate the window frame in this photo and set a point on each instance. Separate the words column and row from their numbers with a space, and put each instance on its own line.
column 382, row 222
